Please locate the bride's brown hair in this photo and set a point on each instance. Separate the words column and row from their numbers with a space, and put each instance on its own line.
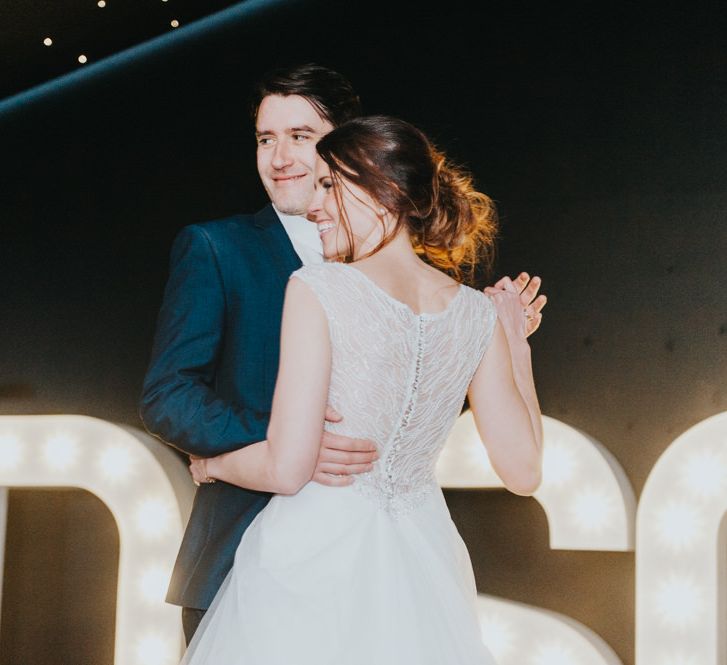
column 450, row 223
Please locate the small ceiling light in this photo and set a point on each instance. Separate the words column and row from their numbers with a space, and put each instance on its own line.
column 48, row 41
column 101, row 3
column 82, row 59
column 175, row 23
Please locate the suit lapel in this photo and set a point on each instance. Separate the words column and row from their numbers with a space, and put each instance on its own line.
column 283, row 257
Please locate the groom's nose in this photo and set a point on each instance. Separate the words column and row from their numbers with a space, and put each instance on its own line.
column 282, row 155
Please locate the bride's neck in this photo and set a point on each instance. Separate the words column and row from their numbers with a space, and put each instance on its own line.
column 397, row 255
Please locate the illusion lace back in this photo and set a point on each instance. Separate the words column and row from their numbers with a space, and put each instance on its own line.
column 374, row 572
column 399, row 377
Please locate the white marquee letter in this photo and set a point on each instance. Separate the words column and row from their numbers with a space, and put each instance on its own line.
column 589, row 504
column 147, row 489
column 681, row 557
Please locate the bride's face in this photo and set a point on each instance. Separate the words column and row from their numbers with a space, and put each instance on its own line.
column 365, row 217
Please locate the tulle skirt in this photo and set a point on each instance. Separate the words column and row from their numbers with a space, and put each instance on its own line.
column 328, row 577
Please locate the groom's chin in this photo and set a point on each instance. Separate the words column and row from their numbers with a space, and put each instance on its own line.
column 292, row 203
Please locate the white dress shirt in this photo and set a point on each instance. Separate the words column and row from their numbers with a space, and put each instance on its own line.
column 304, row 236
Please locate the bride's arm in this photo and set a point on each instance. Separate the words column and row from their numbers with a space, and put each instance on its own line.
column 286, row 460
column 505, row 406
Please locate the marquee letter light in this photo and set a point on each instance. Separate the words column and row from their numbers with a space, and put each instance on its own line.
column 3, row 525
column 585, row 493
column 519, row 634
column 148, row 490
column 681, row 554
column 681, row 559
column 589, row 504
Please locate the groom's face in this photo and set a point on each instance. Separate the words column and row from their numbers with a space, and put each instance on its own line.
column 287, row 130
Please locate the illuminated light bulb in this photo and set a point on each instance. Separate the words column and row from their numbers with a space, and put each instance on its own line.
column 705, row 474
column 153, row 583
column 471, row 457
column 11, row 452
column 101, row 3
column 174, row 23
column 559, row 464
column 591, row 509
column 678, row 601
column 82, row 59
column 553, row 654
column 497, row 635
column 153, row 517
column 60, row 452
column 154, row 650
column 678, row 525
column 116, row 463
column 464, row 461
column 48, row 41
column 476, row 455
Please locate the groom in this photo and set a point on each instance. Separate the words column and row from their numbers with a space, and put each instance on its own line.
column 209, row 386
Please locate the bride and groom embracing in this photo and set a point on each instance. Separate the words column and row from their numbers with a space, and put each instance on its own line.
column 311, row 364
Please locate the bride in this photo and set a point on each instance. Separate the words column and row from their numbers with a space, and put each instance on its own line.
column 375, row 573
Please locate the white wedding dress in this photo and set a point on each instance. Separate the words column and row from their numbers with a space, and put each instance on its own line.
column 374, row 573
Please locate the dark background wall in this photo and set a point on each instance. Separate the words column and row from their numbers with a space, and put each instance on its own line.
column 600, row 130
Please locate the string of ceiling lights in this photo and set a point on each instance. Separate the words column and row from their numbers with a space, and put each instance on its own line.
column 83, row 58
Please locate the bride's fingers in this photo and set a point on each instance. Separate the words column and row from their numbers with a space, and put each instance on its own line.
column 195, row 475
column 521, row 281
column 533, row 324
column 539, row 303
column 527, row 294
column 508, row 285
column 497, row 284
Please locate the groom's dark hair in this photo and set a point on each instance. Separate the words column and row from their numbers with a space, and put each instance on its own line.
column 331, row 94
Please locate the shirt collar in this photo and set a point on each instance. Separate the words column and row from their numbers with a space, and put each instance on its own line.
column 300, row 230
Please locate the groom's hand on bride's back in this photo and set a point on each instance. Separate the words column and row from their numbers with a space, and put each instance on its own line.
column 340, row 458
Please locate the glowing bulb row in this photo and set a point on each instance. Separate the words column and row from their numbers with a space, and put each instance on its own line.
column 83, row 59
column 61, row 453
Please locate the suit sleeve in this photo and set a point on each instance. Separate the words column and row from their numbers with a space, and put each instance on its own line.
column 178, row 402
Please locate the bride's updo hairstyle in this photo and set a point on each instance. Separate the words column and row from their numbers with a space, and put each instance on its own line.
column 450, row 223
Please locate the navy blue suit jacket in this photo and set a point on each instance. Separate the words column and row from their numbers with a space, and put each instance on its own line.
column 209, row 386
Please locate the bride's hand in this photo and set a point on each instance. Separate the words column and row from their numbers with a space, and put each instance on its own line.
column 510, row 311
column 198, row 469
column 531, row 302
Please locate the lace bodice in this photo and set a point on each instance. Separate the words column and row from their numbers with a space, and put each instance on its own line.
column 398, row 378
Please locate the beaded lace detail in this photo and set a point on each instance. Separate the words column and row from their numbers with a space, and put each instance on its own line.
column 398, row 378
